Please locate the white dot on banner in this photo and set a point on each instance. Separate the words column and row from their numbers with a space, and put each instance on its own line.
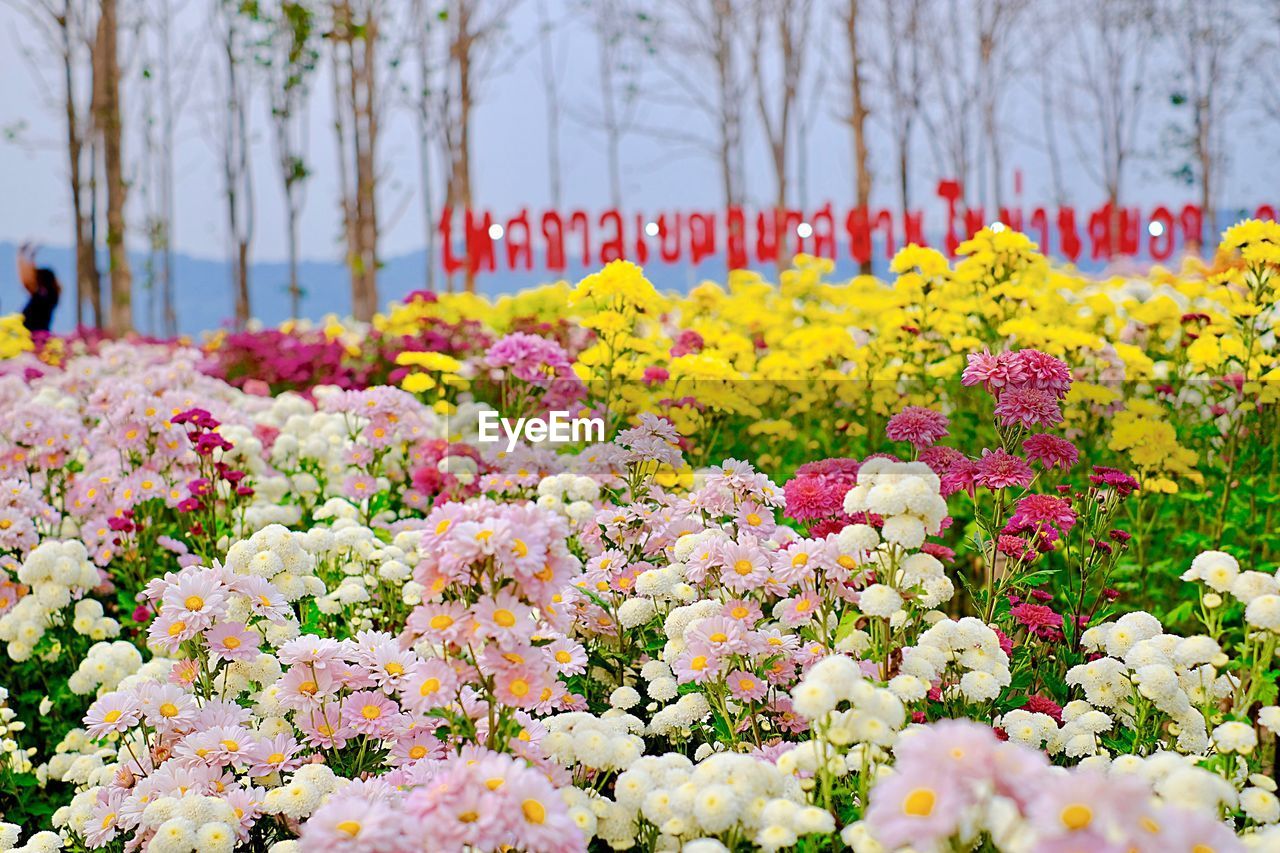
column 804, row 230
column 1155, row 229
column 997, row 226
column 495, row 231
column 651, row 229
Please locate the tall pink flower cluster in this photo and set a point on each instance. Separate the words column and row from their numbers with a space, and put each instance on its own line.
column 1028, row 385
column 541, row 363
column 494, row 576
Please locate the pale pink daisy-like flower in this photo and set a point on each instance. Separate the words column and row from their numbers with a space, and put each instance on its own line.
column 999, row 469
column 432, row 684
column 746, row 686
column 112, row 714
column 168, row 708
column 721, row 634
column 232, row 641
column 539, row 817
column 504, row 618
column 1085, row 803
column 916, row 807
column 520, row 687
column 171, row 629
column 797, row 610
column 197, row 598
column 570, row 657
column 371, row 712
column 324, row 727
column 743, row 610
column 303, row 687
column 418, row 745
column 695, row 666
column 919, row 426
column 278, row 754
column 359, row 487
column 349, row 823
column 247, row 803
column 744, row 565
column 756, row 519
column 317, row 652
column 104, row 820
column 801, row 561
column 439, row 622
column 222, row 712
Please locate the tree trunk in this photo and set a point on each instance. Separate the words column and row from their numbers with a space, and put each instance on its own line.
column 88, row 286
column 858, row 119
column 107, row 88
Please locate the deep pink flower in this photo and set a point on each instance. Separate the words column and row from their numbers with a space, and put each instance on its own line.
column 993, row 372
column 1041, row 370
column 1028, row 407
column 1050, row 451
column 1037, row 511
column 1000, row 469
column 917, row 425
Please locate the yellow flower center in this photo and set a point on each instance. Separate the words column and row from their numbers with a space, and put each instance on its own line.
column 743, row 567
column 520, row 549
column 753, row 519
column 395, row 668
column 177, row 628
column 431, row 685
column 416, row 752
column 275, row 758
column 519, row 687
column 919, row 803
column 1076, row 816
column 168, row 709
column 699, row 663
column 563, row 657
column 441, row 621
column 111, row 716
column 231, row 745
column 534, row 811
column 232, row 642
column 351, row 828
column 371, row 712
column 718, row 637
column 193, row 602
column 308, row 687
column 504, row 618
column 442, row 526
column 468, row 817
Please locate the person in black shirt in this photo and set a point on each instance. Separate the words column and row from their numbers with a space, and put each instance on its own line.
column 43, row 286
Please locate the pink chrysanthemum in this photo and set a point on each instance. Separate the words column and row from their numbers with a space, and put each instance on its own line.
column 1000, row 469
column 1041, row 370
column 917, row 425
column 746, row 686
column 993, row 372
column 1050, row 451
column 1028, row 407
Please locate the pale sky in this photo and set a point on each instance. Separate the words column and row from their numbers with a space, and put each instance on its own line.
column 510, row 155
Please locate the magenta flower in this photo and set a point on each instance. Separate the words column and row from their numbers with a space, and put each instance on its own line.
column 917, row 425
column 1043, row 371
column 1028, row 407
column 1038, row 511
column 1050, row 451
column 993, row 372
column 999, row 469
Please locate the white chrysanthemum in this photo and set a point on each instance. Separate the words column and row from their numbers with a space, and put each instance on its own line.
column 1259, row 805
column 1216, row 568
column 1264, row 612
column 879, row 600
column 624, row 697
column 1235, row 736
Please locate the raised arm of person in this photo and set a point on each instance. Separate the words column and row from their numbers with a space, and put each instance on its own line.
column 27, row 267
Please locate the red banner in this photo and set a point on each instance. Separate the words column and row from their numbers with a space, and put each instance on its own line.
column 590, row 240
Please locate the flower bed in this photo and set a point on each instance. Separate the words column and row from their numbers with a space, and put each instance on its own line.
column 981, row 556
